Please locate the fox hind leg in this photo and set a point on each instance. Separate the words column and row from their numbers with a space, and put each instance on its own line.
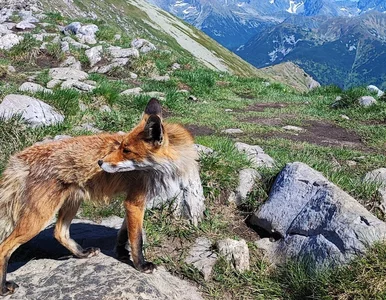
column 122, row 239
column 33, row 219
column 62, row 230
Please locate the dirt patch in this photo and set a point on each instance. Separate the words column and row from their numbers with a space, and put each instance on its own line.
column 199, row 130
column 279, row 120
column 324, row 134
column 263, row 106
column 37, row 61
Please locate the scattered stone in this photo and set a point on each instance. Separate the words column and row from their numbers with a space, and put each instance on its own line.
column 82, row 86
column 86, row 39
column 345, row 117
column 74, row 43
column 236, row 252
column 315, row 219
column 90, row 82
column 71, row 62
column 11, row 69
column 192, row 98
column 118, row 52
column 159, row 95
column 4, row 30
column 83, row 107
column 228, row 110
column 118, row 63
column 9, row 40
column 256, row 155
column 35, row 112
column 94, row 55
column 23, row 25
column 376, row 176
column 105, row 108
column 133, row 91
column 367, row 101
column 183, row 91
column 176, row 66
column 143, row 45
column 33, row 88
column 90, row 30
column 52, row 83
column 351, row 163
column 203, row 150
column 117, row 37
column 374, row 89
column 67, row 73
column 232, row 131
column 247, row 181
column 160, row 78
column 133, row 75
column 202, row 257
column 293, row 128
column 65, row 47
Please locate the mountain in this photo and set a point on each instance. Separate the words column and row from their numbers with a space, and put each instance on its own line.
column 342, row 51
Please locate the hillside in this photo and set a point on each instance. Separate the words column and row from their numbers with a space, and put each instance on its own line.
column 279, row 167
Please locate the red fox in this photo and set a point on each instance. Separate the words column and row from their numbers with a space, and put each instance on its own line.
column 55, row 177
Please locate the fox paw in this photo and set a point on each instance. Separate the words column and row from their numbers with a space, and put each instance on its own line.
column 90, row 252
column 8, row 288
column 147, row 267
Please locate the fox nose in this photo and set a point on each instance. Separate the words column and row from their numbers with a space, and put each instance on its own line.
column 100, row 162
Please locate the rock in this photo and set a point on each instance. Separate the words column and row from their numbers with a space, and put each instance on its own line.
column 52, row 83
column 366, row 101
column 86, row 39
column 159, row 95
column 256, row 155
column 143, row 45
column 133, row 75
column 9, row 40
column 33, row 88
column 23, row 25
column 11, row 69
column 293, row 128
column 118, row 63
column 118, row 52
column 84, row 87
column 186, row 194
column 71, row 62
column 74, row 43
column 42, row 275
column 377, row 176
column 160, row 78
column 94, row 55
column 65, row 47
column 228, row 110
column 35, row 112
column 117, row 37
column 105, row 108
column 315, row 219
column 133, row 91
column 67, row 73
column 247, row 181
column 90, row 29
column 192, row 98
column 72, row 28
column 203, row 150
column 374, row 89
column 236, row 252
column 202, row 257
column 4, row 30
column 176, row 66
column 345, row 117
column 232, row 131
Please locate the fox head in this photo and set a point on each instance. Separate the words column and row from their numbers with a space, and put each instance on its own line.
column 142, row 147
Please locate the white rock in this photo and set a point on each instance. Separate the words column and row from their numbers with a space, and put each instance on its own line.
column 367, row 101
column 143, row 45
column 176, row 66
column 293, row 128
column 9, row 40
column 202, row 257
column 52, row 83
column 74, row 43
column 345, row 117
column 256, row 155
column 236, row 252
column 247, row 181
column 94, row 55
column 71, row 62
column 232, row 131
column 373, row 88
column 376, row 176
column 105, row 108
column 160, row 78
column 84, row 87
column 33, row 88
column 35, row 112
column 203, row 150
column 133, row 91
column 23, row 25
column 117, row 52
column 67, row 73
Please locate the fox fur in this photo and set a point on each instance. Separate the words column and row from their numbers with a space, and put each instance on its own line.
column 55, row 177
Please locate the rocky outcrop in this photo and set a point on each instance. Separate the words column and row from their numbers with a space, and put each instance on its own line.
column 315, row 219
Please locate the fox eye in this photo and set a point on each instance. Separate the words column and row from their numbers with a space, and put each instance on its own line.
column 126, row 150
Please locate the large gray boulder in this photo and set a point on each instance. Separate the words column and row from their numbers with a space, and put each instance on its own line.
column 100, row 277
column 34, row 111
column 315, row 219
column 67, row 73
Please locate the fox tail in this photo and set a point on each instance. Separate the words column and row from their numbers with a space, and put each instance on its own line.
column 12, row 195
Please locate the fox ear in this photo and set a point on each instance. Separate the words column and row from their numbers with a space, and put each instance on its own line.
column 153, row 130
column 154, row 108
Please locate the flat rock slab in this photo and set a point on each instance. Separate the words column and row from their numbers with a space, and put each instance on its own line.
column 100, row 277
column 34, row 111
column 256, row 155
column 67, row 73
column 316, row 220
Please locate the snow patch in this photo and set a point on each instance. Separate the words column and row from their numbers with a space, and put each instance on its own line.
column 294, row 6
